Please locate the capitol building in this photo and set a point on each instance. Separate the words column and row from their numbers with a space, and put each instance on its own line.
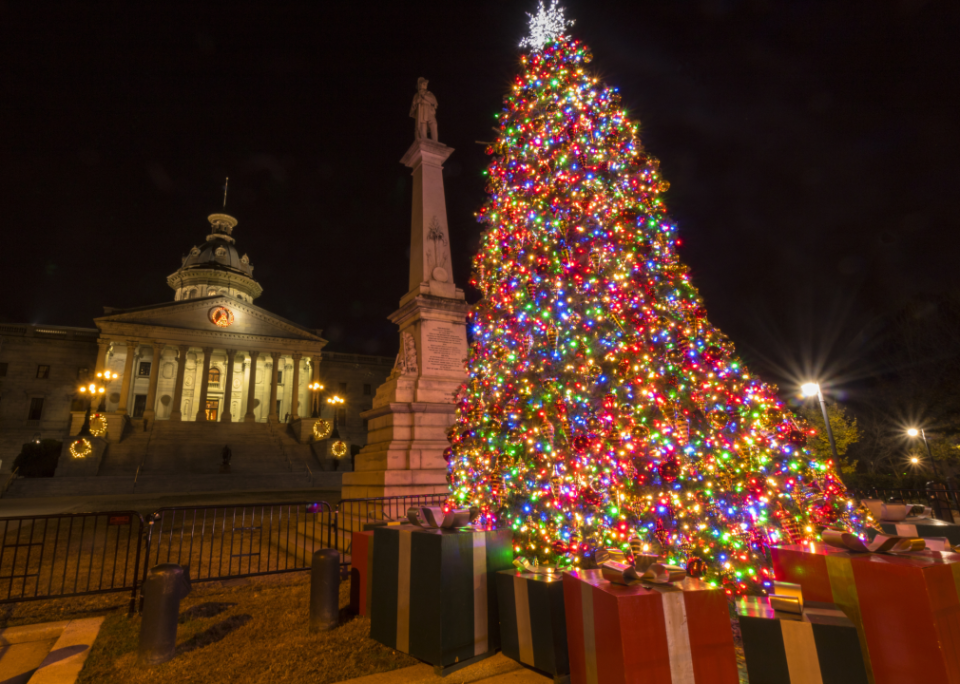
column 206, row 370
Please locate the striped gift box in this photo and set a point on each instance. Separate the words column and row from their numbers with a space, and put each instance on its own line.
column 925, row 528
column 434, row 594
column 667, row 634
column 361, row 570
column 906, row 607
column 533, row 626
column 821, row 646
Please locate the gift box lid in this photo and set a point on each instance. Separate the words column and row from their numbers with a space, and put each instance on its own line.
column 551, row 578
column 814, row 612
column 916, row 559
column 595, row 578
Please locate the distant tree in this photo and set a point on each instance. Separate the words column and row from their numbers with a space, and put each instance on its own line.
column 38, row 460
column 845, row 434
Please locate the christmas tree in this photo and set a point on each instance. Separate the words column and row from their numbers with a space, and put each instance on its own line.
column 602, row 406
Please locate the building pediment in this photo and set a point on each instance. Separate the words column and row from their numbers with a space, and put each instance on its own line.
column 210, row 317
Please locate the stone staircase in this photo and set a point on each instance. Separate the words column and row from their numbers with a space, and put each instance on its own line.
column 167, row 456
column 168, row 447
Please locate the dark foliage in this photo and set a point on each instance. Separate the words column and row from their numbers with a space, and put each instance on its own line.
column 38, row 460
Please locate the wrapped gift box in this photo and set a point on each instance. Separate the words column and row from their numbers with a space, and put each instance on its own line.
column 361, row 570
column 434, row 593
column 666, row 634
column 906, row 607
column 533, row 626
column 925, row 528
column 819, row 646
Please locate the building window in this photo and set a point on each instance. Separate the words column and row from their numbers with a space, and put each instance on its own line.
column 214, row 376
column 342, row 417
column 36, row 408
column 343, row 388
column 43, row 372
column 3, row 370
column 213, row 410
column 279, row 377
column 144, row 371
column 83, row 373
column 367, row 390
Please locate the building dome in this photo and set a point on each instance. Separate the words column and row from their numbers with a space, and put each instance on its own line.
column 216, row 267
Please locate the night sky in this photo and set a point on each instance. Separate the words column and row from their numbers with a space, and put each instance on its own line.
column 813, row 150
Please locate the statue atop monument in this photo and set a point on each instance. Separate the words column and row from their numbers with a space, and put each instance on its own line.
column 424, row 111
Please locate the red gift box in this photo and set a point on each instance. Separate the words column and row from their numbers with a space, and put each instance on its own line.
column 656, row 634
column 361, row 561
column 906, row 607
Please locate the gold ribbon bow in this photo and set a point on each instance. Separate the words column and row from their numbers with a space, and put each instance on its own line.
column 787, row 598
column 534, row 568
column 880, row 544
column 433, row 517
column 645, row 569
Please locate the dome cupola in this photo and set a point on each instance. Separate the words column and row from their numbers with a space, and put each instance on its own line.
column 216, row 267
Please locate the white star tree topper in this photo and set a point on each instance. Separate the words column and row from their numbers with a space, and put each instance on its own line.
column 546, row 26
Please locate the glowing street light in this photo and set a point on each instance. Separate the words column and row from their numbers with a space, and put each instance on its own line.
column 914, row 460
column 98, row 387
column 315, row 387
column 914, row 432
column 812, row 389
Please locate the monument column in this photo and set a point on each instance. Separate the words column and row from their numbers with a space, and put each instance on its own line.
column 226, row 416
column 295, row 396
column 204, row 384
column 104, row 348
column 151, row 411
column 127, row 376
column 249, row 416
column 414, row 408
column 176, row 414
column 272, row 415
column 315, row 396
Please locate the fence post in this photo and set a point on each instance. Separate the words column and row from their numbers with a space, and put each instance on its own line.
column 325, row 590
column 165, row 586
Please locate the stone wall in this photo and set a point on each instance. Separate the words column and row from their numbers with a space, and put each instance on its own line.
column 23, row 350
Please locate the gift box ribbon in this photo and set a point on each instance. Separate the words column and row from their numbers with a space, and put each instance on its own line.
column 433, row 517
column 534, row 568
column 880, row 544
column 644, row 569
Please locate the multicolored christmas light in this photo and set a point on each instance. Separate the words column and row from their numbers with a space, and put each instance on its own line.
column 602, row 405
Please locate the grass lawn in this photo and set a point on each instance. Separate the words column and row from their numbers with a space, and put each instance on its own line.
column 248, row 630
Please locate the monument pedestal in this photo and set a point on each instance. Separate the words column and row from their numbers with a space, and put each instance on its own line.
column 414, row 408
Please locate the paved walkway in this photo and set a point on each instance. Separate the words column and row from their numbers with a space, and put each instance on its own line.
column 148, row 503
column 497, row 669
column 47, row 653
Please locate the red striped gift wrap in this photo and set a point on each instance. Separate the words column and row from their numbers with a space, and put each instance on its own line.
column 666, row 634
column 906, row 607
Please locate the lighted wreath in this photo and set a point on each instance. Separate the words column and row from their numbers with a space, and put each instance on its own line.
column 322, row 429
column 339, row 449
column 98, row 425
column 221, row 316
column 81, row 448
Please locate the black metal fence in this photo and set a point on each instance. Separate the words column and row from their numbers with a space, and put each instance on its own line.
column 945, row 503
column 353, row 514
column 222, row 542
column 71, row 554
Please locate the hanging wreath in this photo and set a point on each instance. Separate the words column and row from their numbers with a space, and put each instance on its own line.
column 322, row 429
column 339, row 449
column 98, row 425
column 81, row 448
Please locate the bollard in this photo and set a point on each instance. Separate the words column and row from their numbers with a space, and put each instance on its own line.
column 325, row 590
column 163, row 589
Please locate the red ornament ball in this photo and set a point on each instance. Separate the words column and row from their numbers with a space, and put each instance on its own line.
column 696, row 567
column 670, row 470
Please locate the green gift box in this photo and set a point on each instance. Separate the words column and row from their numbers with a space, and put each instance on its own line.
column 434, row 593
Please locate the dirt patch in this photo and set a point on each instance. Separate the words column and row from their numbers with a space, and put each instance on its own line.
column 246, row 634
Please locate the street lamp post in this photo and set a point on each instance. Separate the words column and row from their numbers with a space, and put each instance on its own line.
column 315, row 387
column 98, row 388
column 914, row 432
column 813, row 389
